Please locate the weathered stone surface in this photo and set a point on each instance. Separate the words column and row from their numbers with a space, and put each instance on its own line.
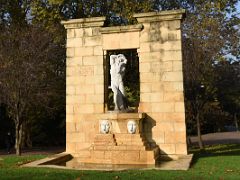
column 173, row 86
column 99, row 108
column 73, row 63
column 94, row 98
column 74, row 42
column 145, row 67
column 145, row 107
column 179, row 107
column 78, row 33
column 98, row 51
column 76, row 99
column 70, row 90
column 175, row 137
column 145, row 97
column 163, row 107
column 174, row 117
column 181, row 148
column 121, row 40
column 158, row 135
column 83, row 51
column 156, row 97
column 172, row 76
column 167, row 148
column 92, row 60
column 177, row 65
column 173, row 96
column 84, row 22
column 160, row 16
column 99, row 88
column 70, row 33
column 69, row 118
column 92, row 41
column 172, row 55
column 70, row 52
column 86, row 89
column 69, row 109
column 121, row 29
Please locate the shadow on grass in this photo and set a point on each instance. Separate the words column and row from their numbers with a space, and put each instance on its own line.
column 214, row 151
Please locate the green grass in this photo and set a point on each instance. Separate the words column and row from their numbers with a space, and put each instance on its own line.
column 217, row 162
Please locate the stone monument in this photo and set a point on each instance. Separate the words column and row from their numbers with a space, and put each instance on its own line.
column 94, row 134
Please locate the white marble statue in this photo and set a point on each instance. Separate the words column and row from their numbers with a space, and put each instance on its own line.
column 104, row 126
column 132, row 126
column 117, row 71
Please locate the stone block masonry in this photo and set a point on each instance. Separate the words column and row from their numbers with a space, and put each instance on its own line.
column 157, row 38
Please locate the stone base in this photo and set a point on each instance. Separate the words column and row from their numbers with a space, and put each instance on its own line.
column 121, row 156
column 120, row 149
column 68, row 162
column 120, row 146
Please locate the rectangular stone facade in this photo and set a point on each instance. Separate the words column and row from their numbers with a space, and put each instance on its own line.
column 157, row 39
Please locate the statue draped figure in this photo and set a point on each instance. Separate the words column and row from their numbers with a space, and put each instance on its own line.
column 117, row 71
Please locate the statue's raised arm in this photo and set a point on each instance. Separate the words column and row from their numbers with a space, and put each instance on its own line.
column 113, row 59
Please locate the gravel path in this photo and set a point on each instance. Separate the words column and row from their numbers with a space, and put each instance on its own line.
column 39, row 150
column 219, row 138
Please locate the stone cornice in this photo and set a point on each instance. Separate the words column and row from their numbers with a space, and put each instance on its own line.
column 84, row 22
column 141, row 18
column 120, row 29
column 160, row 16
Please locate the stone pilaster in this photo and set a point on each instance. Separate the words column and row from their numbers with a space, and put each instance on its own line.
column 85, row 81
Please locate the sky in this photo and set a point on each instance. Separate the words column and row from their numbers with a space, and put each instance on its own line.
column 238, row 6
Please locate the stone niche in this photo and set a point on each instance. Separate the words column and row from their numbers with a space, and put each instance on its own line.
column 96, row 135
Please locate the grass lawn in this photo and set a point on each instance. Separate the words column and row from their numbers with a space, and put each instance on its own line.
column 217, row 162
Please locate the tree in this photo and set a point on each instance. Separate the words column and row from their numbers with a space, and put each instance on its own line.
column 25, row 67
column 198, row 84
column 228, row 84
column 116, row 12
column 22, row 44
column 206, row 41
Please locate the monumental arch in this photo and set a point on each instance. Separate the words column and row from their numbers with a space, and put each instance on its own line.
column 156, row 128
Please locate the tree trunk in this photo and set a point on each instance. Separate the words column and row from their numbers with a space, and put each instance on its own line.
column 28, row 141
column 199, row 136
column 26, row 135
column 236, row 121
column 23, row 135
column 18, row 140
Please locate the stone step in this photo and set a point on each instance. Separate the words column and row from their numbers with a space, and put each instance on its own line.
column 121, row 157
column 139, row 143
column 127, row 136
column 104, row 139
column 105, row 143
column 119, row 147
